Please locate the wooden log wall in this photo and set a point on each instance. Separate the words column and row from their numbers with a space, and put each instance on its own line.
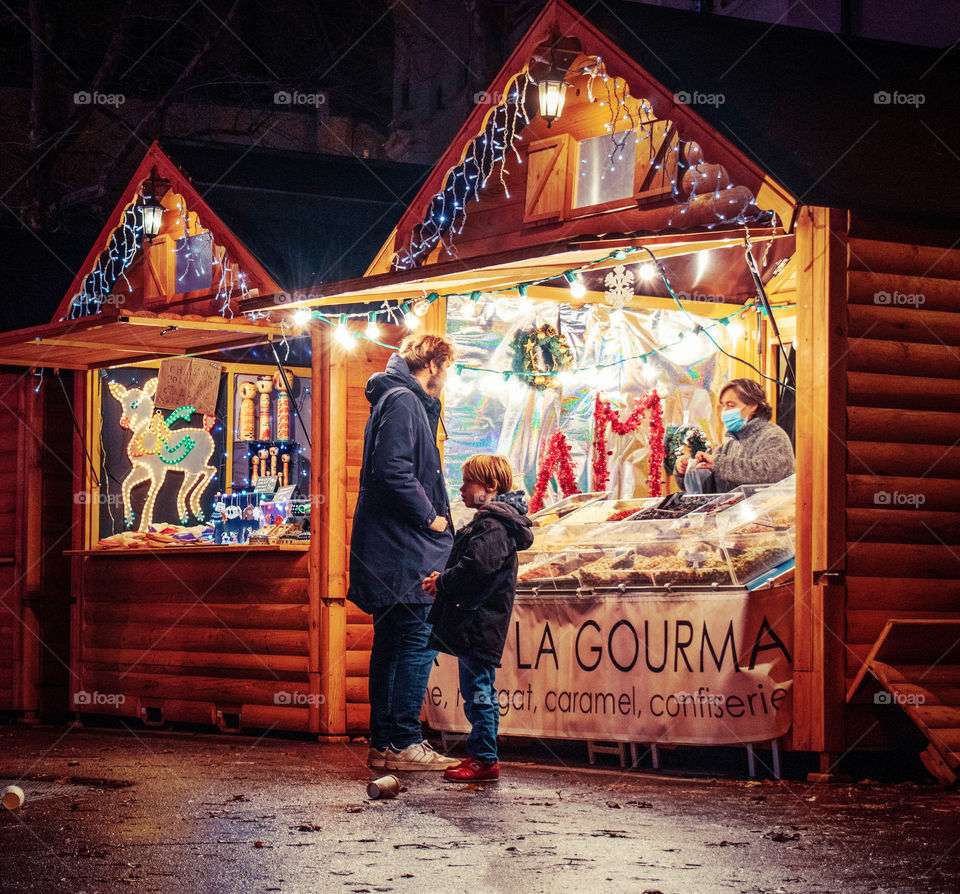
column 171, row 636
column 903, row 427
column 36, row 491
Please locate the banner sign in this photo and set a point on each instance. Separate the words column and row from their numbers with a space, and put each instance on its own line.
column 694, row 669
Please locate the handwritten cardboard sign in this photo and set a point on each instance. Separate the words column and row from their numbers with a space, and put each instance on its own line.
column 266, row 484
column 188, row 381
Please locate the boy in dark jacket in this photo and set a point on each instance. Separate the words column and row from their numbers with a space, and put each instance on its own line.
column 474, row 600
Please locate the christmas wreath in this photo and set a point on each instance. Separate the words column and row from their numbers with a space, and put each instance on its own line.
column 540, row 353
column 677, row 438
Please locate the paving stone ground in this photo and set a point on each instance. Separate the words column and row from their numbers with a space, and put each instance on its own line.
column 120, row 810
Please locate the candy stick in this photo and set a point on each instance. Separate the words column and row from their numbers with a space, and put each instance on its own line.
column 264, row 386
column 286, row 468
column 273, row 460
column 247, row 427
column 283, row 404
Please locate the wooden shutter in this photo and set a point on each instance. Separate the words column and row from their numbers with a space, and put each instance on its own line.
column 546, row 179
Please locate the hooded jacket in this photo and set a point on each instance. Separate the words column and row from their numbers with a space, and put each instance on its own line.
column 475, row 593
column 760, row 453
column 401, row 492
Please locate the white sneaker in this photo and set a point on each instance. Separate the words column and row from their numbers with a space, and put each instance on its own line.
column 419, row 756
column 376, row 759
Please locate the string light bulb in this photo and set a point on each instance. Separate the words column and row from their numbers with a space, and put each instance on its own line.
column 410, row 319
column 525, row 304
column 577, row 288
column 647, row 271
column 342, row 334
column 373, row 330
column 301, row 317
column 736, row 330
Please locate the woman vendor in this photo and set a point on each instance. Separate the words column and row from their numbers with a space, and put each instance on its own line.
column 754, row 451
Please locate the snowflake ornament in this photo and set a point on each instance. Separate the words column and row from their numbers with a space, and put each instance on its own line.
column 618, row 286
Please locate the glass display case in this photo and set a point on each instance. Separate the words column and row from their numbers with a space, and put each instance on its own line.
column 762, row 508
column 562, row 508
column 701, row 540
column 586, row 523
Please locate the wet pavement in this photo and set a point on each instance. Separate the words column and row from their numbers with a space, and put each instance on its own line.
column 137, row 810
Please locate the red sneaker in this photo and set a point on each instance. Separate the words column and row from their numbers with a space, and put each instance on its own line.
column 472, row 770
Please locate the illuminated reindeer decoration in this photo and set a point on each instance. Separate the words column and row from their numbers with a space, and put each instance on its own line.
column 155, row 449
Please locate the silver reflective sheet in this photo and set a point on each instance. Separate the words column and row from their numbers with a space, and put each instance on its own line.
column 488, row 413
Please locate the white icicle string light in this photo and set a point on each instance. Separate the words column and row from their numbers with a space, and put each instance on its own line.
column 486, row 154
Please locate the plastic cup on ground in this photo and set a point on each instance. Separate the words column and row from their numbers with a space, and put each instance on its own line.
column 13, row 797
column 384, row 787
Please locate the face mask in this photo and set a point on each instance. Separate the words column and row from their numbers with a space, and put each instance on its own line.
column 732, row 420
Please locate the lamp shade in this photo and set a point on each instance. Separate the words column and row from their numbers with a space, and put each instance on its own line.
column 152, row 219
column 152, row 191
column 551, row 92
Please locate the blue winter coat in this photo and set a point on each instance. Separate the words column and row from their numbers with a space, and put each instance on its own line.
column 401, row 492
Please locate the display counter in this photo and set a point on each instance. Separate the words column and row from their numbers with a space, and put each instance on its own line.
column 199, row 634
column 653, row 622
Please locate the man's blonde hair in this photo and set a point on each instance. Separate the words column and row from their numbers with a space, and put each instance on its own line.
column 493, row 472
column 419, row 350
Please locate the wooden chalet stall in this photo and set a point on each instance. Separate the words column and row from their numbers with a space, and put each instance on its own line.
column 165, row 625
column 726, row 167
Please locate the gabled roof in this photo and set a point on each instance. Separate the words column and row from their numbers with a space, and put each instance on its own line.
column 120, row 247
column 798, row 116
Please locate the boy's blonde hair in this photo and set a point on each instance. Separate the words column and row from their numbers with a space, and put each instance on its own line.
column 493, row 472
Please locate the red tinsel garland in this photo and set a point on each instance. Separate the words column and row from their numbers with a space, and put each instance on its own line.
column 604, row 413
column 557, row 457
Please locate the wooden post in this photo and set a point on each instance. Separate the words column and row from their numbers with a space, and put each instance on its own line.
column 818, row 702
column 82, row 481
column 30, row 548
column 328, row 576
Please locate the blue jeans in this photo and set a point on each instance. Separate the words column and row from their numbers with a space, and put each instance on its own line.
column 400, row 665
column 480, row 705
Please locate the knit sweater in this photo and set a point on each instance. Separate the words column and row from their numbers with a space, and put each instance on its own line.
column 760, row 453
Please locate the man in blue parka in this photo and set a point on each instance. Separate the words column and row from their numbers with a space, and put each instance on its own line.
column 401, row 532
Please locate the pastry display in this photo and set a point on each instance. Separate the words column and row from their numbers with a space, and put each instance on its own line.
column 694, row 541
